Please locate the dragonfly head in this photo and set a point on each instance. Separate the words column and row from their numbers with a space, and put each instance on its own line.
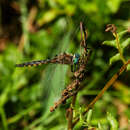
column 76, row 58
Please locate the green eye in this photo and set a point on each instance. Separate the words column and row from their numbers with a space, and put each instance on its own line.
column 76, row 58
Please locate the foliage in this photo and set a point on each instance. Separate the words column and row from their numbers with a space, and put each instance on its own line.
column 31, row 30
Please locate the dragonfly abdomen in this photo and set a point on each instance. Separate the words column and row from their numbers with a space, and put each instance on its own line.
column 60, row 59
column 33, row 63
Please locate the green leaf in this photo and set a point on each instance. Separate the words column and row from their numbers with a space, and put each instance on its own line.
column 125, row 43
column 70, row 9
column 91, row 7
column 99, row 126
column 128, row 67
column 121, row 34
column 62, row 2
column 49, row 16
column 4, row 96
column 114, row 58
column 89, row 116
column 113, row 5
column 112, row 121
column 110, row 43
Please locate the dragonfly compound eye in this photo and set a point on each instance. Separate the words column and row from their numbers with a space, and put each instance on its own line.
column 76, row 58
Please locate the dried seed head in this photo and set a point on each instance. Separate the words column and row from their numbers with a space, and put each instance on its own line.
column 111, row 27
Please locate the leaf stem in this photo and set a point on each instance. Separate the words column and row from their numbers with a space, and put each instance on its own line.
column 3, row 118
column 119, row 48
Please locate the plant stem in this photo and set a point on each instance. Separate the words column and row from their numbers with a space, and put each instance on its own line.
column 70, row 118
column 119, row 49
column 24, row 42
column 3, row 118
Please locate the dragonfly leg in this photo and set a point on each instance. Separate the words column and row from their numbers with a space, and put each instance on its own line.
column 75, row 66
column 72, row 68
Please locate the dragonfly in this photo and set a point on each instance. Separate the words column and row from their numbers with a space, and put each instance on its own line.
column 76, row 61
column 67, row 59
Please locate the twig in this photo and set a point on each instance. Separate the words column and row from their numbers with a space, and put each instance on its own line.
column 70, row 117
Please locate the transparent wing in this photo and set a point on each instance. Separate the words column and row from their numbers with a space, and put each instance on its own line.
column 53, row 79
column 54, row 75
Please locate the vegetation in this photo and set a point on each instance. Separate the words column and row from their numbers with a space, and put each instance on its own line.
column 36, row 30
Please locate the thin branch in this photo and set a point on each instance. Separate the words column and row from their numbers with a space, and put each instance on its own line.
column 70, row 118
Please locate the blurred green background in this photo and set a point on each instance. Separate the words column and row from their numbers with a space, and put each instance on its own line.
column 40, row 29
